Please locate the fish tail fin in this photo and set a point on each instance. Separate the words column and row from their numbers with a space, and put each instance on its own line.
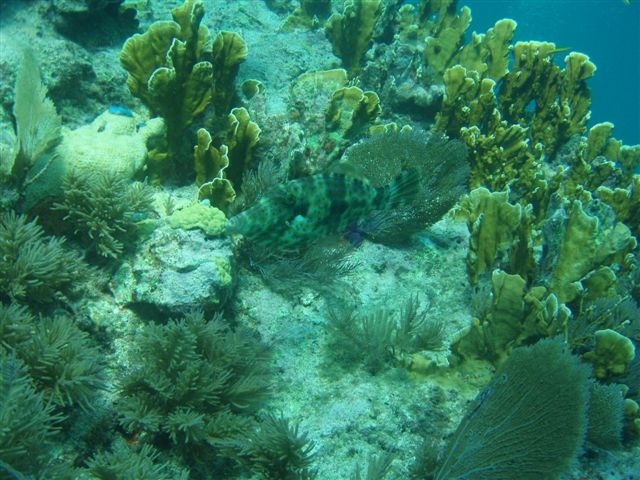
column 402, row 191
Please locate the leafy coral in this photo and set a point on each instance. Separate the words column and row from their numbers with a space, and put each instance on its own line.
column 102, row 210
column 35, row 268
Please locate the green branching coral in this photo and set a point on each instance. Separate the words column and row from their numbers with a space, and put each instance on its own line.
column 27, row 424
column 34, row 268
column 122, row 461
column 196, row 383
column 277, row 450
column 382, row 337
column 64, row 363
column 66, row 367
column 101, row 210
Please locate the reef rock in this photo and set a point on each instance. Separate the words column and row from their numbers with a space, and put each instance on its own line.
column 174, row 272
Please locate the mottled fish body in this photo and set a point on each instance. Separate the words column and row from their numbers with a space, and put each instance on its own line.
column 309, row 208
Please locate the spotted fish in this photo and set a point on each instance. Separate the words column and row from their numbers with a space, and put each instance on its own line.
column 307, row 209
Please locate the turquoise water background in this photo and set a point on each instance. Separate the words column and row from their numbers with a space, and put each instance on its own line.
column 606, row 30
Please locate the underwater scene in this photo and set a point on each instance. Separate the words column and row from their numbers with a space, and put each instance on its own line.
column 319, row 239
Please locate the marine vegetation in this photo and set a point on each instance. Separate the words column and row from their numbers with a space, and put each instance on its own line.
column 102, row 210
column 377, row 468
column 36, row 269
column 195, row 388
column 37, row 128
column 64, row 363
column 65, row 366
column 382, row 337
column 28, row 424
column 277, row 450
column 531, row 421
column 124, row 461
column 322, row 267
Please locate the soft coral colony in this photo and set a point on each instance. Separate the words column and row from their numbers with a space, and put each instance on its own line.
column 495, row 130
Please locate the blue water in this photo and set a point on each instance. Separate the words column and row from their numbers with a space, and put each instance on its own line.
column 606, row 30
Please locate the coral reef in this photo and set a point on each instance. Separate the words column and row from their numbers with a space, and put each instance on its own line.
column 37, row 127
column 349, row 187
column 351, row 32
column 169, row 72
column 35, row 268
column 101, row 210
column 113, row 144
column 27, row 424
column 196, row 386
column 382, row 337
column 278, row 450
column 544, row 389
column 123, row 460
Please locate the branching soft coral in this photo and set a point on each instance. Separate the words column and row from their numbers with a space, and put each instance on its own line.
column 35, row 268
column 196, row 385
column 102, row 210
